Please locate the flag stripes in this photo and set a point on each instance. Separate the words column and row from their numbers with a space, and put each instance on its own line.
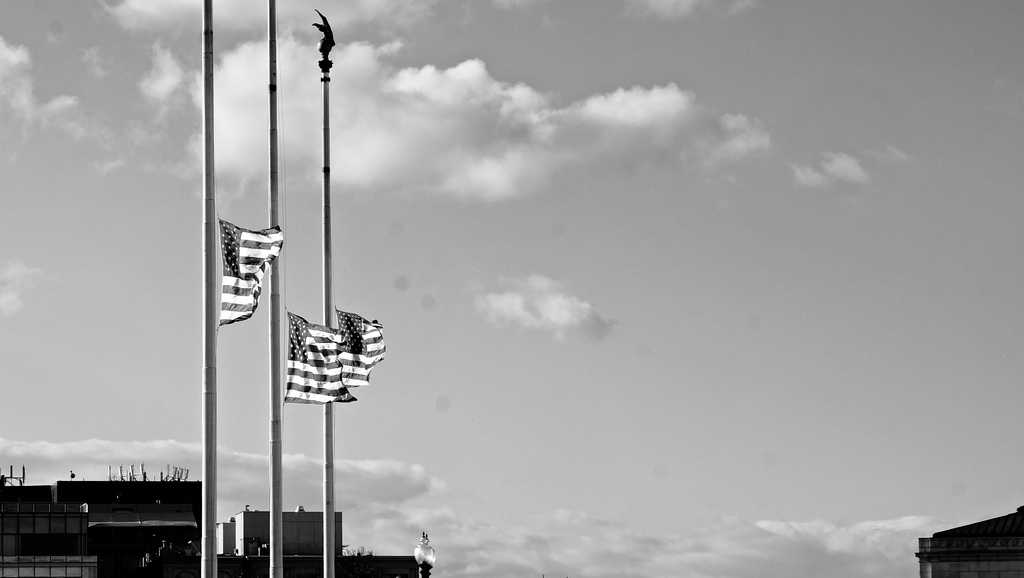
column 246, row 256
column 314, row 369
column 365, row 348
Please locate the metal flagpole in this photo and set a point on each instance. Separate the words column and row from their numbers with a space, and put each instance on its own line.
column 329, row 315
column 276, row 402
column 211, row 313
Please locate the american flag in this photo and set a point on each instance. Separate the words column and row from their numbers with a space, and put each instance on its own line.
column 365, row 348
column 314, row 372
column 246, row 255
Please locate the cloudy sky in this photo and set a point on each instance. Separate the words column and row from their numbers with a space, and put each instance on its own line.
column 714, row 288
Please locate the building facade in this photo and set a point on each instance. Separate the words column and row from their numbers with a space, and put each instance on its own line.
column 97, row 529
column 243, row 546
column 992, row 548
column 151, row 529
column 247, row 533
column 45, row 539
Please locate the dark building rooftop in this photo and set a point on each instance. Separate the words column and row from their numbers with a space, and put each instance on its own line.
column 1008, row 525
column 25, row 493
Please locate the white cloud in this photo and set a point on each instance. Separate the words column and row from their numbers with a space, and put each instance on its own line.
column 853, row 538
column 164, row 85
column 457, row 131
column 240, row 15
column 538, row 302
column 94, row 62
column 237, row 15
column 374, row 497
column 17, row 95
column 672, row 9
column 15, row 83
column 743, row 138
column 843, row 167
column 514, row 3
column 571, row 543
column 637, row 107
column 809, row 177
column 740, row 6
column 16, row 279
column 164, row 78
column 108, row 166
column 666, row 9
column 360, row 482
column 833, row 168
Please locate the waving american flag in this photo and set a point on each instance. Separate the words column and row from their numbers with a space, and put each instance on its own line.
column 365, row 348
column 314, row 371
column 246, row 256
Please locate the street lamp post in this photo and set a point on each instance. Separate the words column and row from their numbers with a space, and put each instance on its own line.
column 425, row 556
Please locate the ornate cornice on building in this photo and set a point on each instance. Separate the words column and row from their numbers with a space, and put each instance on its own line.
column 939, row 544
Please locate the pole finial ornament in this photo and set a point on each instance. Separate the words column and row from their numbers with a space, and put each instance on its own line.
column 327, row 42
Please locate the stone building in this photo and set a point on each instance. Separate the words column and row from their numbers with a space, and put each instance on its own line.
column 991, row 548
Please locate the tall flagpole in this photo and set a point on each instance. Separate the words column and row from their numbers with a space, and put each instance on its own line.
column 211, row 313
column 325, row 79
column 276, row 402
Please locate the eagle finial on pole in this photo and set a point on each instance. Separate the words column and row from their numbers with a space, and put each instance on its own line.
column 327, row 42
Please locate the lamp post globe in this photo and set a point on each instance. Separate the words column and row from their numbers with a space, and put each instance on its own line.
column 424, row 554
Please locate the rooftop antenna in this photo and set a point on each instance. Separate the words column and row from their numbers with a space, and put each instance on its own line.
column 11, row 478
